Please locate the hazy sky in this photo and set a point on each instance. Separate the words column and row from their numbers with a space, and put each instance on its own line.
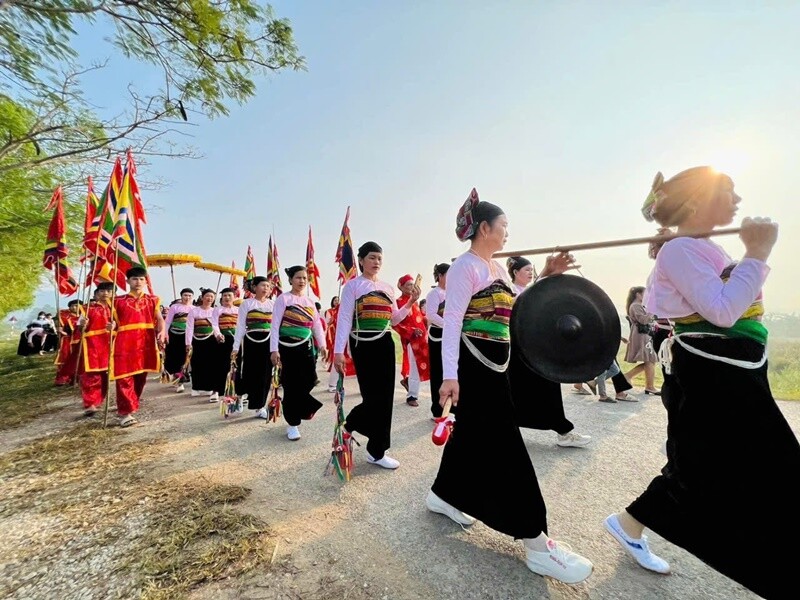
column 560, row 112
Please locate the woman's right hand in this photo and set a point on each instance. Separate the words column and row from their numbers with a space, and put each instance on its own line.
column 449, row 390
column 234, row 354
column 338, row 363
column 759, row 235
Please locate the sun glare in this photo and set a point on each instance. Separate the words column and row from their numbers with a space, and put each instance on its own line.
column 731, row 161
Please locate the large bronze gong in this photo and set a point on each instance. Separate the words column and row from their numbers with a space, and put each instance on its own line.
column 566, row 328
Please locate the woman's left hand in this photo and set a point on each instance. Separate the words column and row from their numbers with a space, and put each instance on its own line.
column 558, row 263
column 323, row 354
column 275, row 357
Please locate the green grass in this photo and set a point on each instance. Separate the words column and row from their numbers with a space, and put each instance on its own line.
column 784, row 368
column 26, row 386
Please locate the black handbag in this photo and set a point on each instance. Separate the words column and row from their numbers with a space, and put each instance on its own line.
column 645, row 328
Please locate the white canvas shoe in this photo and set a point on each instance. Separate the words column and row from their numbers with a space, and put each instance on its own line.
column 214, row 397
column 559, row 562
column 573, row 440
column 387, row 462
column 262, row 414
column 196, row 393
column 638, row 549
column 437, row 505
column 293, row 432
column 180, row 389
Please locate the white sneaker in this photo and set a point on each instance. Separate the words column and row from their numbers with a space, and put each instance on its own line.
column 437, row 505
column 332, row 389
column 180, row 388
column 559, row 562
column 214, row 397
column 573, row 440
column 293, row 432
column 638, row 549
column 196, row 393
column 262, row 413
column 387, row 462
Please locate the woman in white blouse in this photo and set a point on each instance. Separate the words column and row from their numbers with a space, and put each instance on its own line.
column 727, row 493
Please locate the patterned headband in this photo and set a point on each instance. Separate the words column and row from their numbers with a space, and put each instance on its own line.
column 465, row 224
column 656, row 194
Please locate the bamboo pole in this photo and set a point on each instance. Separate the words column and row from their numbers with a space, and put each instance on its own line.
column 174, row 289
column 612, row 243
column 112, row 337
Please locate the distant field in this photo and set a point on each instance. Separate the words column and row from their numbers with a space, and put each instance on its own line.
column 784, row 368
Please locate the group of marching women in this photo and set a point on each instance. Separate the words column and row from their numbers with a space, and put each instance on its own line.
column 729, row 445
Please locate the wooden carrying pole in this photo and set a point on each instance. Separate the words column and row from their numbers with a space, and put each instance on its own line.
column 612, row 243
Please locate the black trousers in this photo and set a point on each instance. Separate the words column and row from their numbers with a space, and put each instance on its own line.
column 727, row 493
column 375, row 371
column 222, row 364
column 486, row 471
column 537, row 401
column 435, row 357
column 175, row 353
column 255, row 369
column 298, row 375
column 204, row 363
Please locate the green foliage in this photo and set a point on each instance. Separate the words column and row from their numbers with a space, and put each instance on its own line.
column 23, row 223
column 210, row 50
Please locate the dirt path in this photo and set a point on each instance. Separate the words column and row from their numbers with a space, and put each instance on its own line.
column 374, row 538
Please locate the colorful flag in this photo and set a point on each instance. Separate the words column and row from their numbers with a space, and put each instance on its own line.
column 344, row 253
column 98, row 236
column 250, row 269
column 274, row 268
column 55, row 251
column 234, row 283
column 121, row 245
column 311, row 267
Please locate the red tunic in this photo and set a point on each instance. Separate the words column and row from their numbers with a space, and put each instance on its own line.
column 330, row 338
column 415, row 321
column 96, row 339
column 135, row 348
column 68, row 322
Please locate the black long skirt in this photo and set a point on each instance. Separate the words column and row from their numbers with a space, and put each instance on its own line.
column 222, row 364
column 486, row 471
column 175, row 353
column 728, row 495
column 298, row 375
column 23, row 349
column 204, row 364
column 537, row 401
column 255, row 369
column 50, row 342
column 375, row 371
column 435, row 357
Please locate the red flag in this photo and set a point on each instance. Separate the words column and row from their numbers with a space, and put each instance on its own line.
column 55, row 251
column 344, row 253
column 274, row 268
column 234, row 283
column 311, row 266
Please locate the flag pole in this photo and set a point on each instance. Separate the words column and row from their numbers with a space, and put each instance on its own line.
column 174, row 289
column 111, row 337
column 219, row 281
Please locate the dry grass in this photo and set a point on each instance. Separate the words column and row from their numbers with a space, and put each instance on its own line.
column 172, row 534
column 26, row 387
column 197, row 537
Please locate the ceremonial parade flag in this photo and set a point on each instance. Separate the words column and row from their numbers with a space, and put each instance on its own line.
column 311, row 267
column 91, row 224
column 120, row 244
column 55, row 251
column 234, row 283
column 344, row 253
column 274, row 268
column 250, row 269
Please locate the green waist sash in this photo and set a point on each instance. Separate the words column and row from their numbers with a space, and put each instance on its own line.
column 743, row 328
